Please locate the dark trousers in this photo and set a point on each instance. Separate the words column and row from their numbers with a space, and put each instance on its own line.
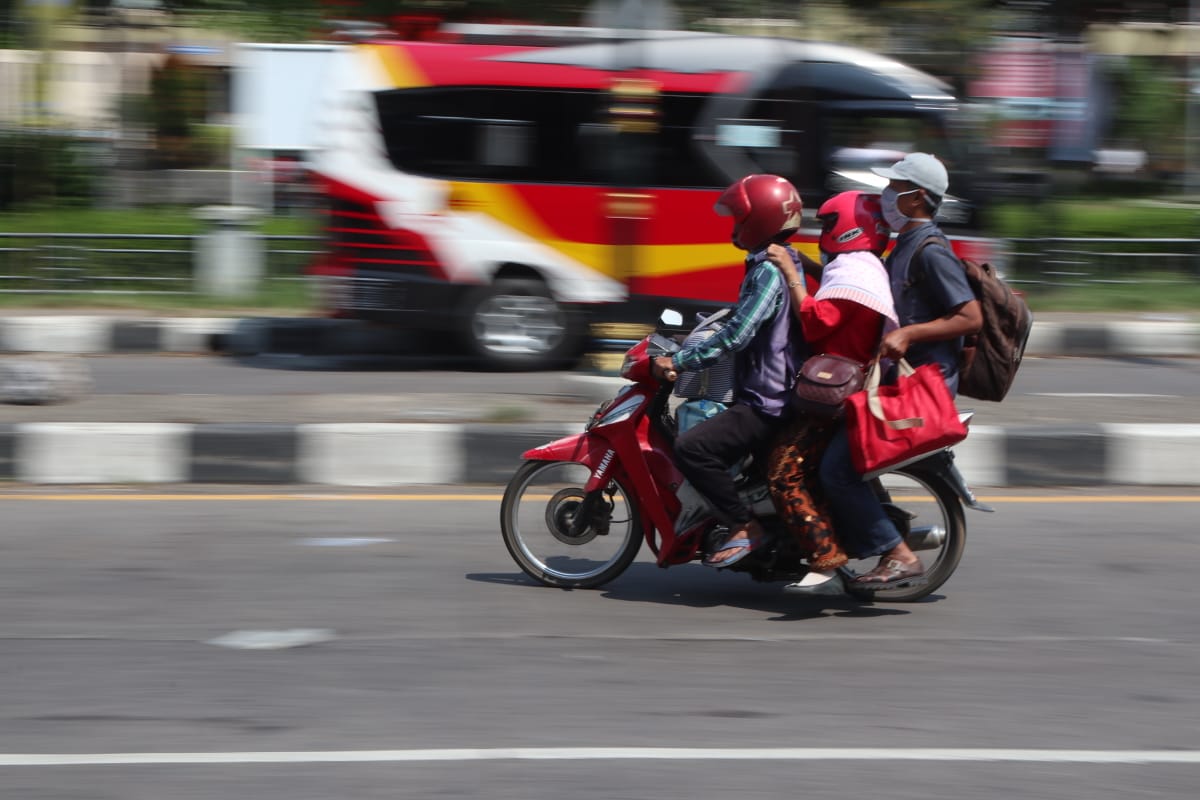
column 705, row 453
column 858, row 515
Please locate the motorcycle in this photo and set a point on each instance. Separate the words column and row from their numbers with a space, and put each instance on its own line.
column 576, row 512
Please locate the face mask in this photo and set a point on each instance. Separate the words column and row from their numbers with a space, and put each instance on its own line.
column 825, row 259
column 891, row 213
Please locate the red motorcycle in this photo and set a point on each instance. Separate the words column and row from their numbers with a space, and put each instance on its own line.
column 575, row 513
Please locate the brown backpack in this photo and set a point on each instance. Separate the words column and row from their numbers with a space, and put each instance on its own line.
column 989, row 360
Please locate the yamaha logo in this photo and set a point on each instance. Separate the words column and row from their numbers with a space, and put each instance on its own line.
column 603, row 466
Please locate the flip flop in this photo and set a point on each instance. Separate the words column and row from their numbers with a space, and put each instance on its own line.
column 744, row 542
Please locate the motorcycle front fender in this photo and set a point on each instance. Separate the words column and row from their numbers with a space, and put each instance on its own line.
column 596, row 453
column 602, row 456
column 581, row 448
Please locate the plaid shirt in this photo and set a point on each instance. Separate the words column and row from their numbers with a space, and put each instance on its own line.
column 759, row 299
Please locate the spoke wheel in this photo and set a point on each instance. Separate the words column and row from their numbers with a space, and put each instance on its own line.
column 929, row 515
column 538, row 519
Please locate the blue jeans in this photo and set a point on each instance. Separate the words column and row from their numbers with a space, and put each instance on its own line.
column 862, row 525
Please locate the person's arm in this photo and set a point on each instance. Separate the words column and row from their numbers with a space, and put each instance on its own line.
column 797, row 284
column 946, row 280
column 814, row 269
column 779, row 257
column 960, row 321
column 758, row 302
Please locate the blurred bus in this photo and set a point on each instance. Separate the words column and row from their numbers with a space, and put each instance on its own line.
column 503, row 196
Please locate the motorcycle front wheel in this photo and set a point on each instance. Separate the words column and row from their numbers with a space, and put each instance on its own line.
column 551, row 542
column 929, row 515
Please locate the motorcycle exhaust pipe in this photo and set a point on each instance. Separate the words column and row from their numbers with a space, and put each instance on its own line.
column 926, row 537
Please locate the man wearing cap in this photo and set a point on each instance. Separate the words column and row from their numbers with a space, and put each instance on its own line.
column 936, row 308
column 933, row 300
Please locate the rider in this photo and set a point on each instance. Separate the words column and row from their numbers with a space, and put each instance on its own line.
column 936, row 308
column 766, row 209
column 847, row 317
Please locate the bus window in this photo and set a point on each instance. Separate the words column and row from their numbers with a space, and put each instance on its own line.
column 763, row 139
column 506, row 143
column 679, row 164
column 773, row 137
column 853, row 143
column 519, row 135
column 883, row 136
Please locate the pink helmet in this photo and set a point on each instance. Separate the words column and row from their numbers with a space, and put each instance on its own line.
column 764, row 208
column 852, row 221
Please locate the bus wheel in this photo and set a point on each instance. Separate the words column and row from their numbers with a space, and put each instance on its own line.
column 516, row 324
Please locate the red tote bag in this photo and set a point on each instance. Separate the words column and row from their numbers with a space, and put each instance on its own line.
column 893, row 425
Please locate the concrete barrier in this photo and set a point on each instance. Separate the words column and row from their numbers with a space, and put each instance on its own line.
column 409, row 454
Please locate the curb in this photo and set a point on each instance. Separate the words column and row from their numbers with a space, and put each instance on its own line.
column 322, row 336
column 406, row 454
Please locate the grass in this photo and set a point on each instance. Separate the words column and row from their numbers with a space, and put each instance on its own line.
column 1147, row 293
column 278, row 298
column 173, row 220
column 1096, row 218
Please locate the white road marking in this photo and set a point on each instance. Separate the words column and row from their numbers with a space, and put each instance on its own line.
column 273, row 640
column 609, row 754
column 1122, row 395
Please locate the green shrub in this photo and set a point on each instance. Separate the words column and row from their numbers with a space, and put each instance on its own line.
column 39, row 166
column 1119, row 217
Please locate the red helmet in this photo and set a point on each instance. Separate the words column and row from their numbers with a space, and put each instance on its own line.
column 764, row 208
column 852, row 221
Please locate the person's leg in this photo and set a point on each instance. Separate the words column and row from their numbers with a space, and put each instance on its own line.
column 792, row 473
column 705, row 453
column 859, row 516
column 865, row 528
column 800, row 500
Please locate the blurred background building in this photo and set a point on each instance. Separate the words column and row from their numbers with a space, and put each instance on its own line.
column 127, row 88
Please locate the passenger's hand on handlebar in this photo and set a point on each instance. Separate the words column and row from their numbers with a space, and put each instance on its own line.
column 664, row 369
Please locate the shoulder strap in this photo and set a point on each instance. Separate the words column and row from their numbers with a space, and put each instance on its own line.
column 933, row 238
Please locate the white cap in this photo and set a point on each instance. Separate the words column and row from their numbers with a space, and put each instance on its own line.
column 922, row 169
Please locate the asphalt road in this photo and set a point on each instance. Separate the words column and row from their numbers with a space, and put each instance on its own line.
column 1070, row 626
column 1048, row 391
column 159, row 374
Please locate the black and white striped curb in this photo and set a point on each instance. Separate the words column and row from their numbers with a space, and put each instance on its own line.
column 252, row 335
column 102, row 334
column 400, row 454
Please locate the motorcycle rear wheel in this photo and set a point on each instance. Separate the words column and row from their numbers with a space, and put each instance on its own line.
column 936, row 518
column 540, row 504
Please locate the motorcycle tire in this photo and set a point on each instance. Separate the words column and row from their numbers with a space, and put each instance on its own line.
column 536, row 520
column 930, row 487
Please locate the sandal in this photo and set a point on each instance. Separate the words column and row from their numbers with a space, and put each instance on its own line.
column 890, row 573
column 745, row 541
column 746, row 545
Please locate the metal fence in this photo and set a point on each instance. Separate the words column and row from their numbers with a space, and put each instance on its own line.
column 162, row 264
column 1078, row 262
column 128, row 264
